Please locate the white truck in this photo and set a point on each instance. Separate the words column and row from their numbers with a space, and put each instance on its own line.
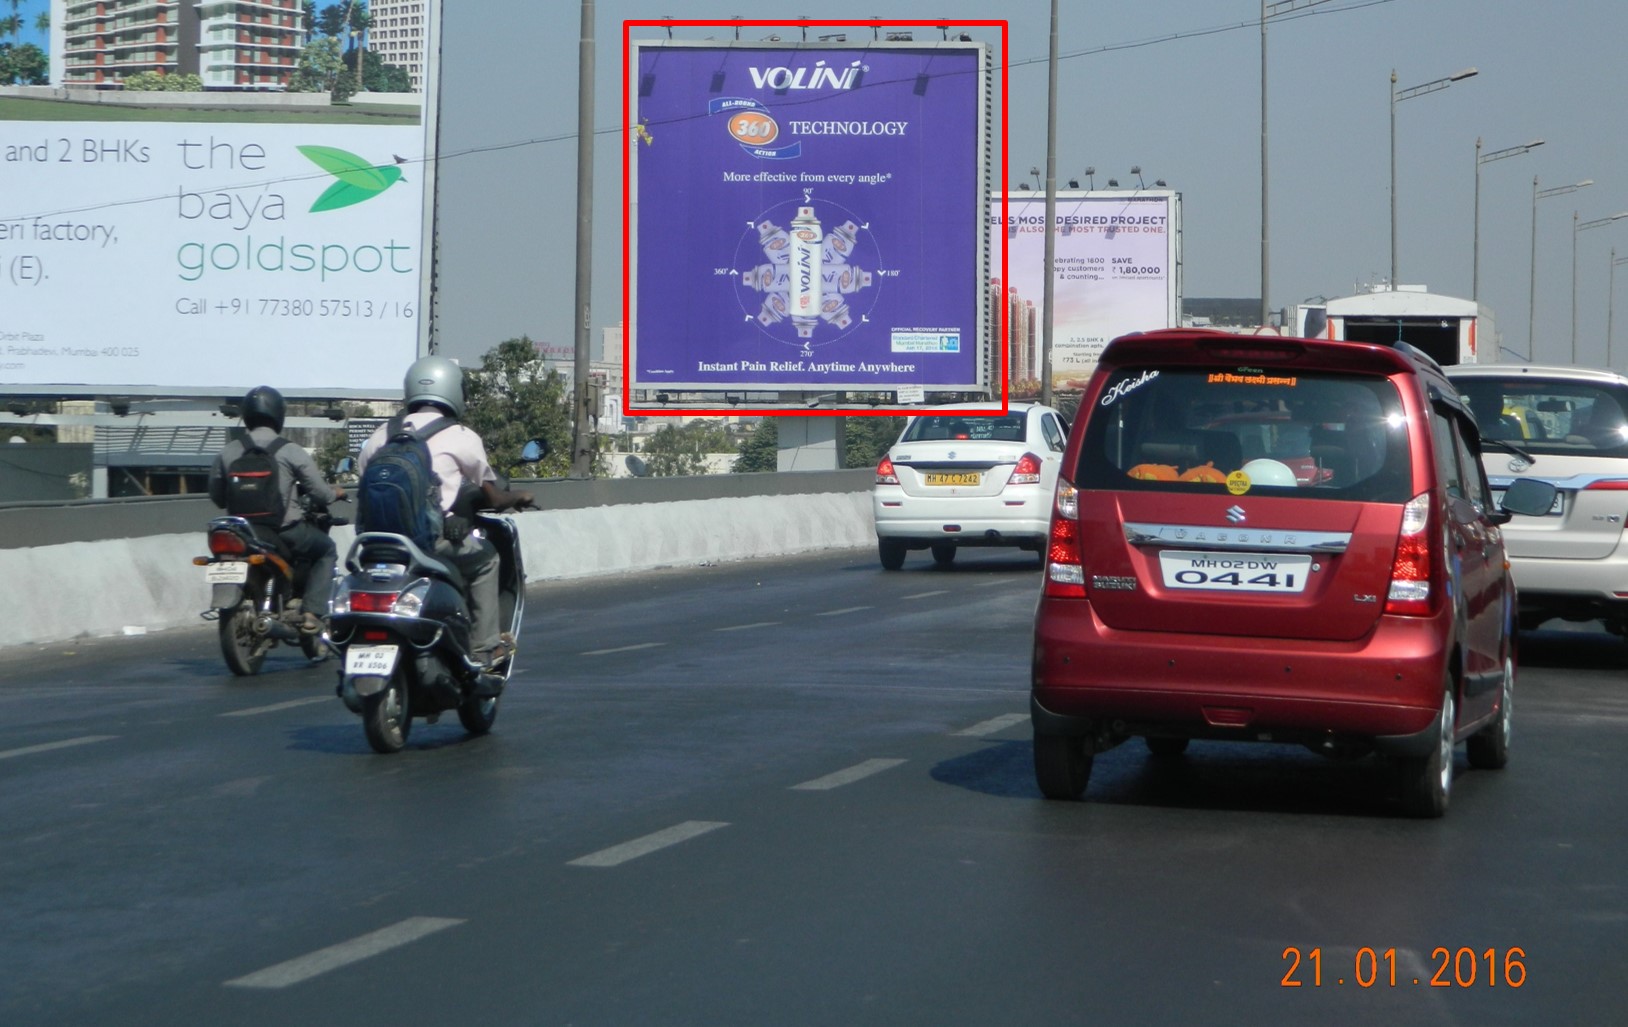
column 1450, row 329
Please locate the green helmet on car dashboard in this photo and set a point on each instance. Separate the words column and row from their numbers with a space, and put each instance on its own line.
column 435, row 380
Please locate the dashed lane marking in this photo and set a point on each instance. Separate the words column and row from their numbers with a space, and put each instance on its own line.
column 623, row 649
column 744, row 627
column 845, row 609
column 992, row 725
column 345, row 953
column 857, row 772
column 924, row 595
column 616, row 855
column 66, row 743
column 274, row 707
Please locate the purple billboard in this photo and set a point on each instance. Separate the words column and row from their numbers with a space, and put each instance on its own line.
column 808, row 217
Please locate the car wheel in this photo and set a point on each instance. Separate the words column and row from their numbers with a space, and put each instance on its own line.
column 1062, row 766
column 891, row 553
column 1160, row 745
column 944, row 556
column 1427, row 781
column 1489, row 748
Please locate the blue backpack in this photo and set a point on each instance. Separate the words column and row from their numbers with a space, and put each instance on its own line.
column 400, row 492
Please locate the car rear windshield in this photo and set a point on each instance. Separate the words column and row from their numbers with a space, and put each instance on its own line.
column 1008, row 428
column 1553, row 416
column 1195, row 430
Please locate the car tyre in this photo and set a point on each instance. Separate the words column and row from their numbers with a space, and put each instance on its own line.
column 1488, row 748
column 944, row 556
column 1161, row 745
column 1427, row 781
column 891, row 553
column 1062, row 766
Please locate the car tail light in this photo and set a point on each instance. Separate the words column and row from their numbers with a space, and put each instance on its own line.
column 227, row 543
column 885, row 475
column 1065, row 574
column 1410, row 571
column 1607, row 485
column 1027, row 471
column 373, row 602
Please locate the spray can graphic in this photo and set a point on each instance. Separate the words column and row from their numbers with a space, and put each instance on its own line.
column 806, row 254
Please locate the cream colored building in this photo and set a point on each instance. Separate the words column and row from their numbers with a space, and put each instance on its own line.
column 397, row 36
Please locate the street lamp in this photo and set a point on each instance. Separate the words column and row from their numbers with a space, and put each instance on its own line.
column 1397, row 97
column 1610, row 303
column 1480, row 159
column 1091, row 178
column 1575, row 228
column 1532, row 287
column 1268, row 11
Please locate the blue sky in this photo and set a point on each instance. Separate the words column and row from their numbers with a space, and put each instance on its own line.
column 28, row 10
column 1172, row 86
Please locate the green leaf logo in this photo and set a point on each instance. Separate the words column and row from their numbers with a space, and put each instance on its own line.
column 357, row 179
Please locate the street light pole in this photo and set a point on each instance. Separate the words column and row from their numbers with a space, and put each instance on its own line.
column 1610, row 303
column 1575, row 228
column 1480, row 159
column 1270, row 10
column 1048, row 315
column 1532, row 288
column 1397, row 96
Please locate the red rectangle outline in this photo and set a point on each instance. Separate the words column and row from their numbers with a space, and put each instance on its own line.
column 627, row 150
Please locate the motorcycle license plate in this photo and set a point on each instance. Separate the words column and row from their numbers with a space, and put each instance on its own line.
column 371, row 660
column 230, row 572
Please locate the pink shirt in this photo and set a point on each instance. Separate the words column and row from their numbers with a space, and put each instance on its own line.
column 457, row 454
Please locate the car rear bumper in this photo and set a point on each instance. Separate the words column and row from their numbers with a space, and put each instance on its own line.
column 1016, row 516
column 1595, row 580
column 1090, row 679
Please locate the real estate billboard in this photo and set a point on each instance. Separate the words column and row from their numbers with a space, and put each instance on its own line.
column 1117, row 271
column 806, row 217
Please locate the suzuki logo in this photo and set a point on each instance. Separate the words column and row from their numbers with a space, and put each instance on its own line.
column 1235, row 514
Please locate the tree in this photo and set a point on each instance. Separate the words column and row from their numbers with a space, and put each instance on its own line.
column 308, row 19
column 681, row 449
column 761, row 450
column 513, row 399
column 319, row 69
column 155, row 82
column 11, row 24
column 867, row 438
column 23, row 65
column 377, row 76
column 42, row 21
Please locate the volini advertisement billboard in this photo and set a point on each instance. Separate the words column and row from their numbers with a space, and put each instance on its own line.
column 807, row 218
column 1118, row 270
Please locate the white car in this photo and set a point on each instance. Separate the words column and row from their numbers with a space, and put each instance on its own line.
column 957, row 478
column 1572, row 562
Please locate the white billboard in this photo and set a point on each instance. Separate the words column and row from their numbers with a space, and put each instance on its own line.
column 1117, row 271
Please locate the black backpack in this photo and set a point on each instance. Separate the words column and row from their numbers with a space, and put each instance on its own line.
column 400, row 492
column 254, row 484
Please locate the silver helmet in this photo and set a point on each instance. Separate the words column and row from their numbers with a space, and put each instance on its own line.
column 435, row 380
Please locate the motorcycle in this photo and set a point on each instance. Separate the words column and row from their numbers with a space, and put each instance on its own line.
column 401, row 624
column 255, row 589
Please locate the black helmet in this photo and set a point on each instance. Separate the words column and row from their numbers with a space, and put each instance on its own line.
column 263, row 407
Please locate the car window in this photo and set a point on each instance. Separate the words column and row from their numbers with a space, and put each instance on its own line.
column 1469, row 467
column 1553, row 416
column 1008, row 428
column 1053, row 432
column 1312, row 435
column 1447, row 469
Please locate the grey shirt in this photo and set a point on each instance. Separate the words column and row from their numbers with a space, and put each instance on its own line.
column 299, row 474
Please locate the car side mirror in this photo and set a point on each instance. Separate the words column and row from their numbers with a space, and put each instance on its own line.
column 1528, row 497
column 533, row 451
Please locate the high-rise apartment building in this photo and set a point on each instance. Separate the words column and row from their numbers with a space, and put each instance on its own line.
column 396, row 34
column 229, row 44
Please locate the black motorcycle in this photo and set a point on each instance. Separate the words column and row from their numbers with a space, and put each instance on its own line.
column 255, row 590
column 401, row 624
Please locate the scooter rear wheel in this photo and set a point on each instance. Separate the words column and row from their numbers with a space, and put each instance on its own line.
column 477, row 715
column 243, row 651
column 386, row 717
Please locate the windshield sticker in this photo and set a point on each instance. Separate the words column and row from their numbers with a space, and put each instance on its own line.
column 1120, row 390
column 1237, row 483
column 1227, row 378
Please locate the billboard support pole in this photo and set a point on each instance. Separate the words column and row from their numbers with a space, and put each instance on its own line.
column 581, row 434
column 1051, row 212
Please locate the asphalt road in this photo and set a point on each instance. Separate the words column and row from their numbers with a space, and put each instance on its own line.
column 778, row 792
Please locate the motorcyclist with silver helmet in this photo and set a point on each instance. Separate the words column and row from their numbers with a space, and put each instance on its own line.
column 434, row 388
column 263, row 412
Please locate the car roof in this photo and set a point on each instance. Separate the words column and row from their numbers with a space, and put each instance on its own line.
column 1565, row 372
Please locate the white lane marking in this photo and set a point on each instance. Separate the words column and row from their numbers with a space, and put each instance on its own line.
column 743, row 627
column 845, row 609
column 992, row 725
column 274, row 707
column 67, row 743
column 619, row 854
column 623, row 649
column 924, row 595
column 345, row 953
column 1000, row 581
column 857, row 772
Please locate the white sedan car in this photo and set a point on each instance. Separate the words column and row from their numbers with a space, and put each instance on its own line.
column 957, row 478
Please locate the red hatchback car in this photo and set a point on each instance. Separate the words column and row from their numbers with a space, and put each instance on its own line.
column 1269, row 539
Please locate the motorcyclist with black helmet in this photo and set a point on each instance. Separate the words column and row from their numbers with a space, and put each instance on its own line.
column 432, row 389
column 263, row 411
